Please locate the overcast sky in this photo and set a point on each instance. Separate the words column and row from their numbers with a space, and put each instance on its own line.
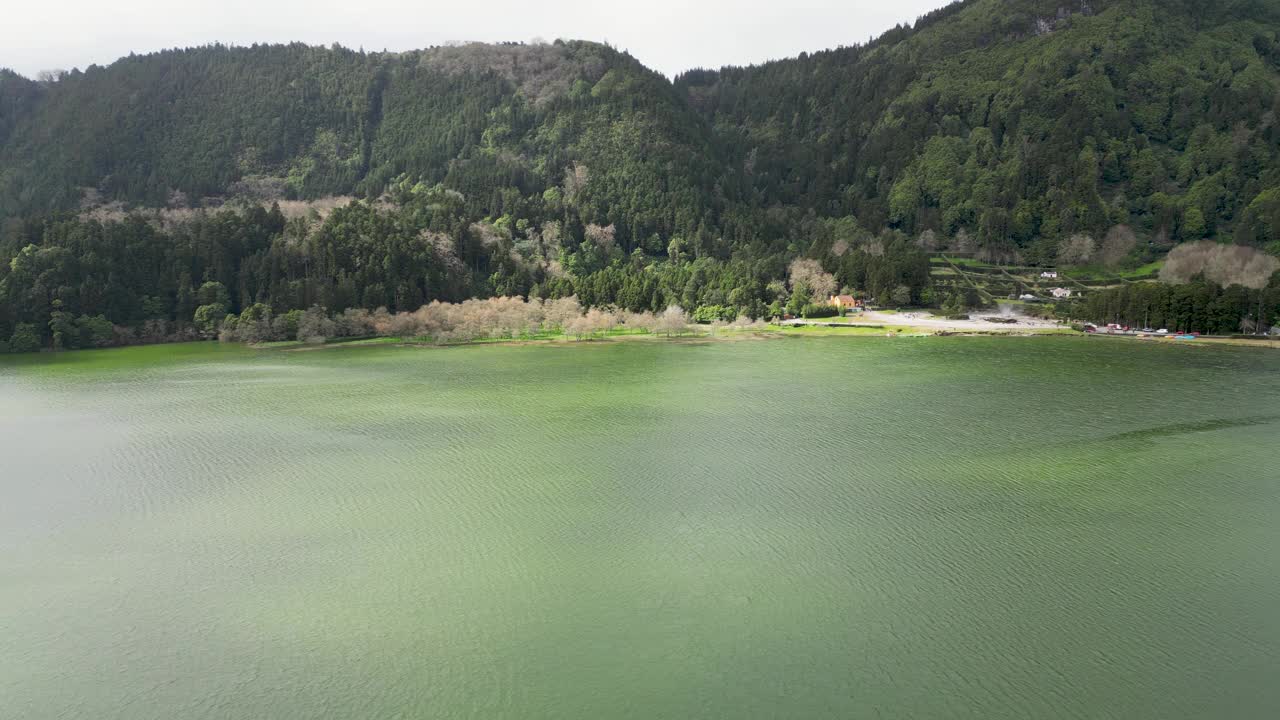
column 667, row 35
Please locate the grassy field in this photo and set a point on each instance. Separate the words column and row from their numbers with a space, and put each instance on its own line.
column 993, row 282
column 848, row 331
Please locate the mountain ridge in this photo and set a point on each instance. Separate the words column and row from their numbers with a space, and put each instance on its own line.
column 307, row 121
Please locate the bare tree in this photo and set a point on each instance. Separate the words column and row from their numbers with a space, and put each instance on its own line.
column 594, row 322
column 1076, row 250
column 928, row 241
column 550, row 237
column 742, row 322
column 576, row 178
column 1222, row 264
column 807, row 272
column 646, row 321
column 542, row 72
column 1116, row 246
column 49, row 77
column 672, row 321
column 487, row 233
column 315, row 326
column 495, row 317
column 560, row 311
column 601, row 236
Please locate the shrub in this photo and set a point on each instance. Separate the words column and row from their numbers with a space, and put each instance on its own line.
column 95, row 331
column 707, row 314
column 818, row 311
column 208, row 318
column 24, row 339
column 315, row 326
column 285, row 325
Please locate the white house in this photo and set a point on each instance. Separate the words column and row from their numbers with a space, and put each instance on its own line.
column 1061, row 293
column 1049, row 275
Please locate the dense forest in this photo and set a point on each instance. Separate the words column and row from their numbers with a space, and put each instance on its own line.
column 152, row 198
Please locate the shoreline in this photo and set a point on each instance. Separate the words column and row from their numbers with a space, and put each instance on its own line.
column 924, row 320
column 770, row 332
column 699, row 336
column 1262, row 342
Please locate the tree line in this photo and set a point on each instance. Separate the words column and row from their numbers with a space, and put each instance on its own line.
column 1199, row 306
column 85, row 282
column 497, row 318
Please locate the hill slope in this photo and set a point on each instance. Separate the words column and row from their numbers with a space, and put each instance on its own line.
column 303, row 122
column 1021, row 122
column 1047, row 132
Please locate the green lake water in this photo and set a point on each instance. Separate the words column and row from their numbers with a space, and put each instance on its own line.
column 787, row 528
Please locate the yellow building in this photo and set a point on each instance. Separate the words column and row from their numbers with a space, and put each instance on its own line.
column 844, row 303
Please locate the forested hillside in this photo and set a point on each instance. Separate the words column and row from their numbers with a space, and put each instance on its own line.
column 277, row 122
column 1037, row 132
column 1022, row 122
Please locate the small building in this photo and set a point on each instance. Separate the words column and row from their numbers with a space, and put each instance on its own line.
column 1026, row 296
column 1061, row 293
column 1049, row 275
column 844, row 303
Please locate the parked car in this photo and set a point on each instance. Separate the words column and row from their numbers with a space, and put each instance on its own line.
column 1162, row 331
